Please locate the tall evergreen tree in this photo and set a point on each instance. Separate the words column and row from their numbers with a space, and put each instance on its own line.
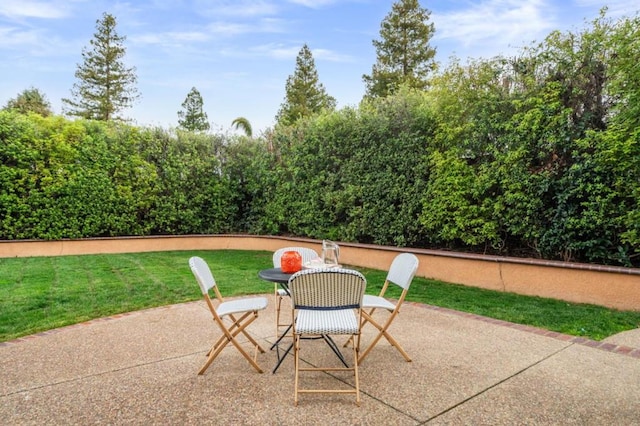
column 105, row 85
column 404, row 55
column 192, row 117
column 304, row 95
column 30, row 100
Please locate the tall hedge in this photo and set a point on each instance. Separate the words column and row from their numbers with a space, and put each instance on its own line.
column 536, row 155
column 74, row 179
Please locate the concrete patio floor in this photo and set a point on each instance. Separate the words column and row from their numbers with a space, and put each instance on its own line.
column 141, row 368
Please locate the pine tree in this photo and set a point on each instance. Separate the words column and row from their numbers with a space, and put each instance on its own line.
column 30, row 100
column 404, row 55
column 105, row 86
column 304, row 94
column 191, row 117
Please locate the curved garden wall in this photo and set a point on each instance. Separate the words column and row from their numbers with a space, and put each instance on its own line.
column 613, row 287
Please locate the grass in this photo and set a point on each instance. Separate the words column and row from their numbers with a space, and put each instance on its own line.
column 42, row 293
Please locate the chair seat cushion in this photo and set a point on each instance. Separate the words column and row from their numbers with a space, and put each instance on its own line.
column 242, row 305
column 338, row 321
column 377, row 302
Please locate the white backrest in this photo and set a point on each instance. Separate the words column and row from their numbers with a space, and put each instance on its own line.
column 202, row 273
column 403, row 269
column 327, row 288
column 306, row 253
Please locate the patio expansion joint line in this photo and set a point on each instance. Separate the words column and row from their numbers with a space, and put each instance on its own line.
column 101, row 373
column 363, row 392
column 396, row 409
column 498, row 383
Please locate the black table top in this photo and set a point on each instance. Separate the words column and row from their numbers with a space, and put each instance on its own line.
column 274, row 275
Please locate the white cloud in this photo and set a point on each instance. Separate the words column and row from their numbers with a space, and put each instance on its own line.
column 170, row 38
column 272, row 25
column 18, row 9
column 277, row 51
column 236, row 8
column 280, row 51
column 314, row 4
column 230, row 28
column 11, row 37
column 615, row 8
column 267, row 25
column 217, row 29
column 330, row 55
column 33, row 43
column 508, row 20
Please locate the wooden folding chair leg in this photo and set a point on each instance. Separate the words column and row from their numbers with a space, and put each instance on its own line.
column 298, row 369
column 212, row 355
column 234, row 324
column 231, row 337
column 237, row 323
column 296, row 363
column 247, row 356
column 364, row 321
column 356, row 363
column 382, row 332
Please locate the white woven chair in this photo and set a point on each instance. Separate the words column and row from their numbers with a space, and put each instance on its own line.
column 401, row 273
column 307, row 254
column 327, row 302
column 246, row 308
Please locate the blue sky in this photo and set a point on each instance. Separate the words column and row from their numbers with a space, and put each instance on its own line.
column 239, row 53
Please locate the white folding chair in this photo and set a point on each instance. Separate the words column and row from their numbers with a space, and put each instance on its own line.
column 246, row 308
column 307, row 255
column 401, row 273
column 327, row 302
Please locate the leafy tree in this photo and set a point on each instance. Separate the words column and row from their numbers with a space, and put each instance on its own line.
column 191, row 117
column 244, row 124
column 30, row 100
column 621, row 147
column 105, row 85
column 305, row 95
column 404, row 55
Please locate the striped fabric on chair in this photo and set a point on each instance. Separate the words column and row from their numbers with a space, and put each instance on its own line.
column 327, row 302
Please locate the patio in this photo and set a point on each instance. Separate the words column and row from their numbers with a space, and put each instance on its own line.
column 140, row 368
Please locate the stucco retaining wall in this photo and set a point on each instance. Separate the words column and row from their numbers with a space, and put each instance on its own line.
column 614, row 287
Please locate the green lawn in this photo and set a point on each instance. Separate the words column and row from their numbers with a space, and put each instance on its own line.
column 41, row 293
